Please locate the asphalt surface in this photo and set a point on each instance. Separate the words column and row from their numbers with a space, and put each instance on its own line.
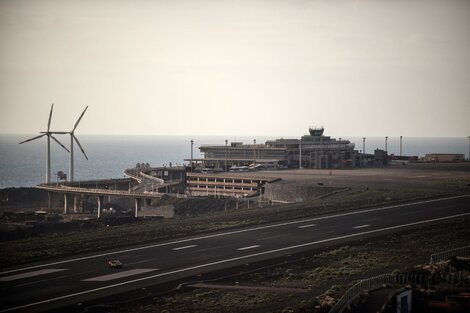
column 44, row 286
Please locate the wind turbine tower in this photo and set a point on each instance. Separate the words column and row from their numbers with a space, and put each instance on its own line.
column 48, row 133
column 72, row 138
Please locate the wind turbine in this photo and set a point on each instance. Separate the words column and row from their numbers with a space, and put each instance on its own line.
column 48, row 133
column 72, row 138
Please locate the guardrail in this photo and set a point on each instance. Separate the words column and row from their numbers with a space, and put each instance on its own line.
column 445, row 255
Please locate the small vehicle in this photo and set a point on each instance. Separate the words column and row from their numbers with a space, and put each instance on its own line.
column 114, row 264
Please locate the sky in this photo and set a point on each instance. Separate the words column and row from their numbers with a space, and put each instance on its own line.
column 257, row 67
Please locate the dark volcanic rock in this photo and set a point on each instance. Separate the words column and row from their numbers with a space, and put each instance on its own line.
column 22, row 195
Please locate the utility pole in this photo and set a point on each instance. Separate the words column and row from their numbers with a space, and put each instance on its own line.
column 386, row 150
column 300, row 153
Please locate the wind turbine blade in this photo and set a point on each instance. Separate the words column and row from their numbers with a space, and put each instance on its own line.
column 50, row 116
column 60, row 143
column 80, row 146
column 59, row 133
column 37, row 137
column 78, row 121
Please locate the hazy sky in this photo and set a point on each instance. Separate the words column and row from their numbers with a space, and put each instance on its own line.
column 252, row 67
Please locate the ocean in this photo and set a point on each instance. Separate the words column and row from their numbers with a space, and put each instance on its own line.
column 25, row 165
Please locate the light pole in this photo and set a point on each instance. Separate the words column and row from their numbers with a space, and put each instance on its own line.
column 386, row 150
column 468, row 148
column 192, row 142
column 226, row 142
column 363, row 149
column 300, row 153
column 254, row 152
column 401, row 146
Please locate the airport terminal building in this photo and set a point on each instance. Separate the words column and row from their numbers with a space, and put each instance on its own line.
column 313, row 151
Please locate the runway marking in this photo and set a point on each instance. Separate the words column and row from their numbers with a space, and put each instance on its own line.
column 309, row 225
column 361, row 226
column 248, row 248
column 231, row 260
column 238, row 231
column 121, row 274
column 185, row 247
column 32, row 274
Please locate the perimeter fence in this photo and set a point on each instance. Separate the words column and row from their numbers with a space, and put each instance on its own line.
column 375, row 283
column 445, row 255
column 396, row 279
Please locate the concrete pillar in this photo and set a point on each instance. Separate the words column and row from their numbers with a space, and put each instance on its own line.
column 138, row 205
column 49, row 197
column 100, row 203
column 66, row 202
column 75, row 203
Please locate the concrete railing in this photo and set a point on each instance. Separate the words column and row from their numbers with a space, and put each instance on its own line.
column 150, row 177
column 130, row 172
column 445, row 255
column 95, row 191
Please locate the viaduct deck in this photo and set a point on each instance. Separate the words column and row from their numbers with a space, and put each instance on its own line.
column 100, row 194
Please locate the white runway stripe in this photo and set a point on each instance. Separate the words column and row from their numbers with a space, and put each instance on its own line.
column 309, row 225
column 121, row 274
column 185, row 247
column 247, row 248
column 361, row 226
column 32, row 274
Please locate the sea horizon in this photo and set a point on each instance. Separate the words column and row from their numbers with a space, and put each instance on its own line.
column 109, row 155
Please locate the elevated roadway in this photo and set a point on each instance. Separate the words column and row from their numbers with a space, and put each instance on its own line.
column 138, row 195
column 53, row 284
column 101, row 192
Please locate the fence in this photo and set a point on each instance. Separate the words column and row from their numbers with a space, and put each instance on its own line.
column 375, row 283
column 390, row 279
column 445, row 255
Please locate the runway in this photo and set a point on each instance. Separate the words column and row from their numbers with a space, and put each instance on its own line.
column 43, row 286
